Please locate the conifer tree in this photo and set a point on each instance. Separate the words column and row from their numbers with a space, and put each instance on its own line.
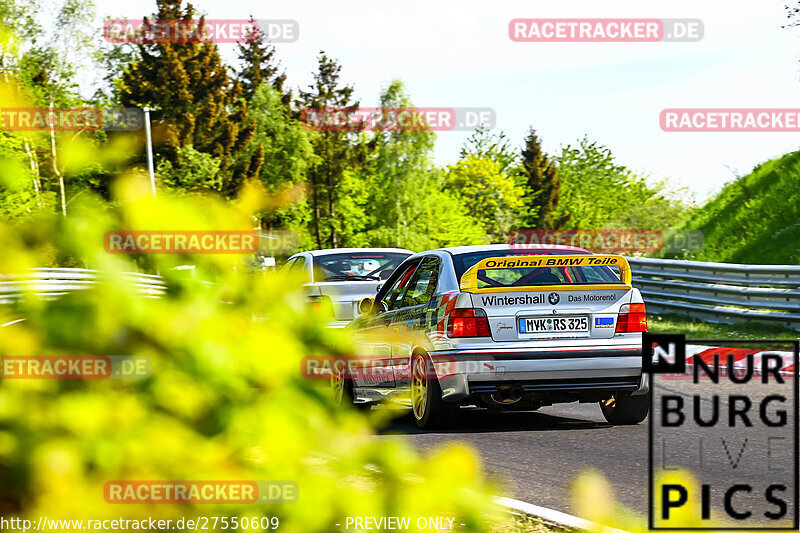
column 338, row 150
column 543, row 185
column 259, row 64
column 194, row 102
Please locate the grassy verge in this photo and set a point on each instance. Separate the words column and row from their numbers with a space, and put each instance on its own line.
column 697, row 329
column 524, row 524
column 754, row 219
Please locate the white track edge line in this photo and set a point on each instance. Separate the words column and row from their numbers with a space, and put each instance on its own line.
column 557, row 517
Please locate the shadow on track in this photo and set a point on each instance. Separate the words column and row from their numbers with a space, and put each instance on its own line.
column 475, row 420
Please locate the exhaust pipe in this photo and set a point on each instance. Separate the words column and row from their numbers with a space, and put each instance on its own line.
column 507, row 394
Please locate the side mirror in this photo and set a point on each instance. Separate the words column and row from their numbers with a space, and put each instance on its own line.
column 365, row 306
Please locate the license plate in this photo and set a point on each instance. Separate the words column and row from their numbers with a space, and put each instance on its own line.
column 561, row 324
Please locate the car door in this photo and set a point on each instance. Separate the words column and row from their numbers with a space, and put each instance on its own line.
column 409, row 319
column 376, row 337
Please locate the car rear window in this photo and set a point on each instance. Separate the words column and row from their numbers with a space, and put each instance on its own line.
column 364, row 265
column 531, row 276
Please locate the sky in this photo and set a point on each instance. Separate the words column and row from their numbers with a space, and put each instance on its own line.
column 459, row 54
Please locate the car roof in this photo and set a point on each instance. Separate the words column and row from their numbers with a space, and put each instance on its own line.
column 329, row 251
column 548, row 248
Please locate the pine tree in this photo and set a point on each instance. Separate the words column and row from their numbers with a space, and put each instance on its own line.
column 259, row 65
column 543, row 186
column 193, row 100
column 338, row 150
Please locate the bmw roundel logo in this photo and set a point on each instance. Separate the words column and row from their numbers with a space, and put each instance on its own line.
column 553, row 298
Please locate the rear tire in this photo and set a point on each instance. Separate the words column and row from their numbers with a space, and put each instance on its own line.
column 626, row 410
column 343, row 393
column 427, row 406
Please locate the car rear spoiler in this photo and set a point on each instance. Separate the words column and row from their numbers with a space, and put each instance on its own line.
column 469, row 281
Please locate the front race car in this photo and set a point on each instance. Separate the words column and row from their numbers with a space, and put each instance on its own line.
column 529, row 331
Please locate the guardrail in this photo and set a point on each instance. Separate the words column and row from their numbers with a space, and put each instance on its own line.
column 51, row 283
column 715, row 292
column 720, row 292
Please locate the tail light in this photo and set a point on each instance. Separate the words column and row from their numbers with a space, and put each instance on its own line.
column 320, row 303
column 468, row 323
column 632, row 318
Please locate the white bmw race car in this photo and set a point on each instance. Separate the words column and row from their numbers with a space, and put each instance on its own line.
column 342, row 277
column 502, row 327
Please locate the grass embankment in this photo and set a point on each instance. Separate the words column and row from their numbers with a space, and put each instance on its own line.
column 753, row 220
column 523, row 524
column 697, row 329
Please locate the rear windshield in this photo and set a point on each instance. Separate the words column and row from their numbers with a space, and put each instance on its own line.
column 356, row 266
column 531, row 276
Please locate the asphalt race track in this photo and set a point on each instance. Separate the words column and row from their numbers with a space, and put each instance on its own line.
column 539, row 453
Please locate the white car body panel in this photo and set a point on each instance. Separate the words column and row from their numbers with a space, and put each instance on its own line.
column 345, row 295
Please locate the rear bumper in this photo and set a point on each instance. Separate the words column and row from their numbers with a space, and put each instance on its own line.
column 463, row 373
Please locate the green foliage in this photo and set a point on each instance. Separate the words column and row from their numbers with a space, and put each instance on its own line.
column 396, row 174
column 284, row 146
column 483, row 144
column 18, row 196
column 225, row 399
column 754, row 219
column 406, row 204
column 46, row 45
column 44, row 49
column 194, row 171
column 337, row 150
column 661, row 205
column 353, row 204
column 431, row 218
column 259, row 65
column 490, row 196
column 285, row 143
column 597, row 192
column 698, row 329
column 194, row 100
column 543, row 187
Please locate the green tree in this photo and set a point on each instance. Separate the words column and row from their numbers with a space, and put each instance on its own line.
column 407, row 205
column 489, row 195
column 193, row 98
column 541, row 179
column 194, row 172
column 42, row 53
column 259, row 65
column 438, row 218
column 285, row 147
column 338, row 150
column 598, row 192
column 483, row 144
column 398, row 171
column 224, row 401
column 20, row 195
